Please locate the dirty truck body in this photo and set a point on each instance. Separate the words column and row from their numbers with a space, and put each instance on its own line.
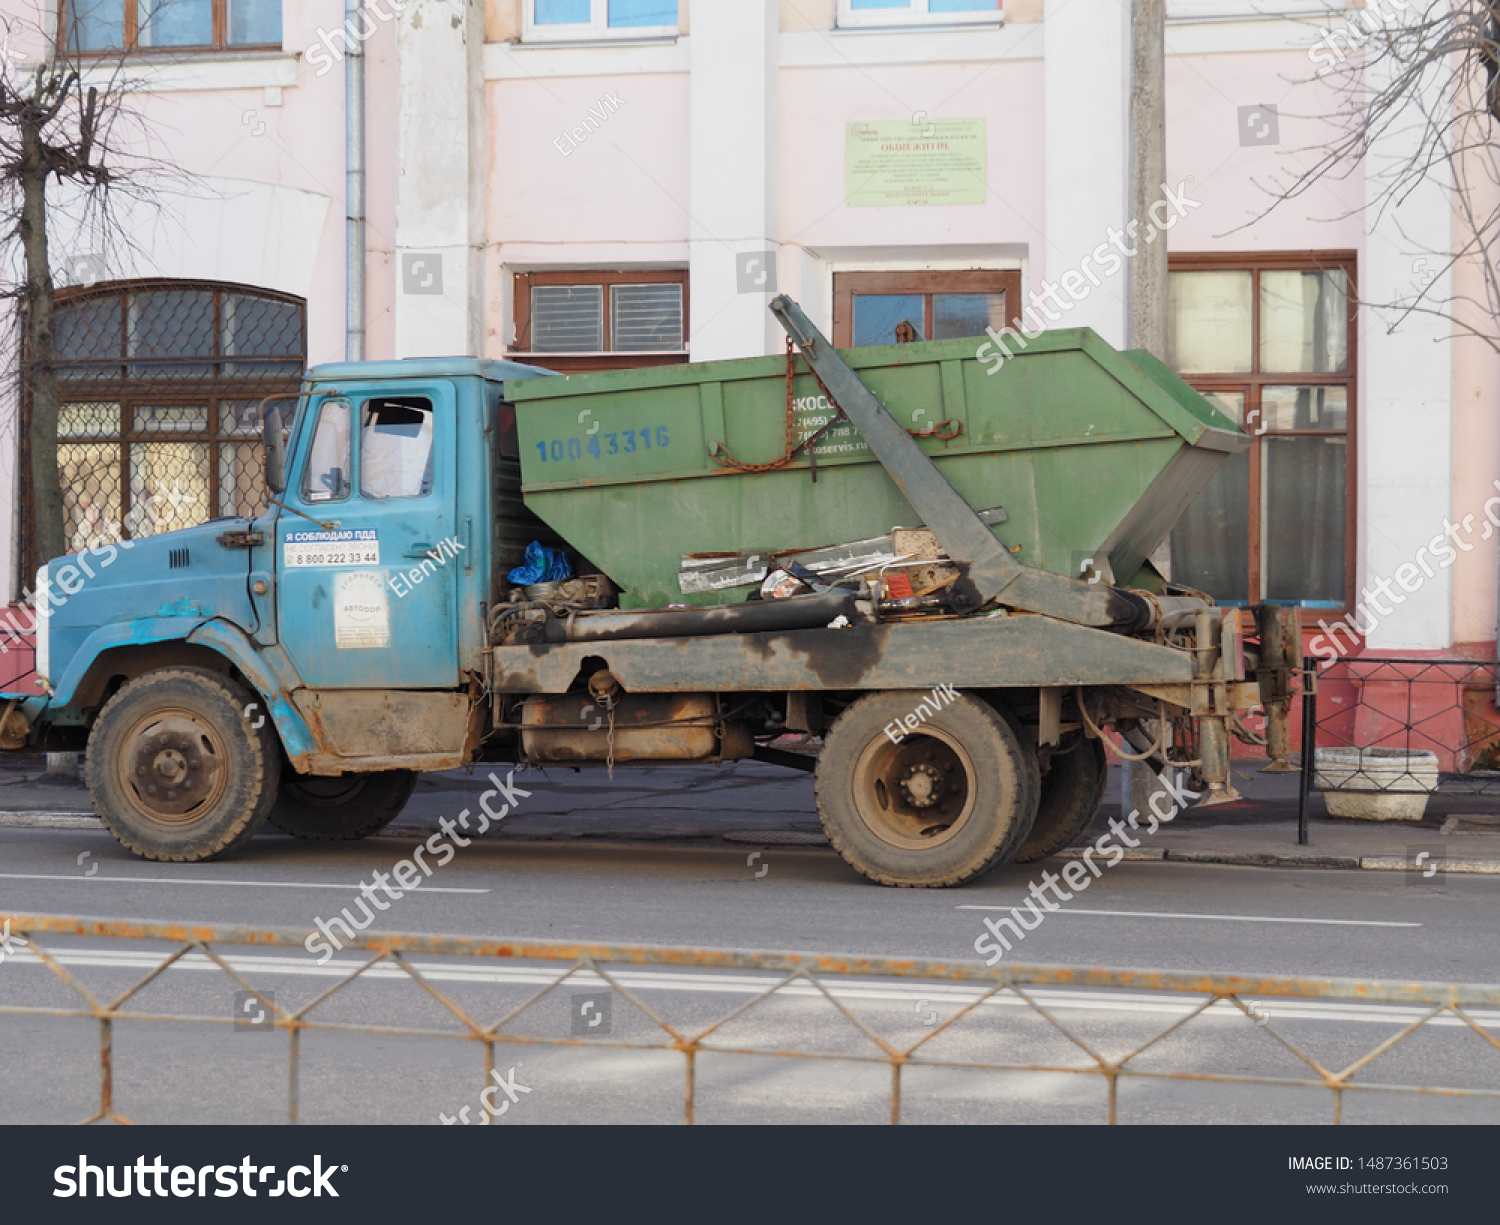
column 303, row 667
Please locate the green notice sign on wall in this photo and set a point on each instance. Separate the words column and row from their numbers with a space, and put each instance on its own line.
column 893, row 162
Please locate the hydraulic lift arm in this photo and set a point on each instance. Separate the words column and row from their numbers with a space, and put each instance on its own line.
column 988, row 571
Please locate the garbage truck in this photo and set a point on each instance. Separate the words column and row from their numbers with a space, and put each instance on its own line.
column 923, row 578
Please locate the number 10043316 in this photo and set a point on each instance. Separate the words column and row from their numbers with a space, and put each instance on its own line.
column 310, row 554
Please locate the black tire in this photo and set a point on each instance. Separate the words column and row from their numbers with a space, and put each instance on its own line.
column 941, row 807
column 176, row 771
column 1072, row 791
column 340, row 809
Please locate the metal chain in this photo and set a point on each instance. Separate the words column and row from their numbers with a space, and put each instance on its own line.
column 724, row 457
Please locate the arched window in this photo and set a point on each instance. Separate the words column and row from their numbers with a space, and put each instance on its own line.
column 160, row 383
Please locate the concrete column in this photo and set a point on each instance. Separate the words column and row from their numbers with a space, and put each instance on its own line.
column 1086, row 101
column 440, row 188
column 1148, row 170
column 1406, row 381
column 734, row 179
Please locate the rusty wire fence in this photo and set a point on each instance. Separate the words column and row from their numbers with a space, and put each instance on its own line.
column 1041, row 993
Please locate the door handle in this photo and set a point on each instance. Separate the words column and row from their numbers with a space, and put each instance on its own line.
column 420, row 549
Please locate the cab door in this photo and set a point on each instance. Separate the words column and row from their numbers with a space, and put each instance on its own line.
column 367, row 571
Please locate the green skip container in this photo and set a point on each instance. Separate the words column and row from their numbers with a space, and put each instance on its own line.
column 1091, row 453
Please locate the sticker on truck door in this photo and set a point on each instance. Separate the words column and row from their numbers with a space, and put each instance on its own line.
column 361, row 614
column 360, row 547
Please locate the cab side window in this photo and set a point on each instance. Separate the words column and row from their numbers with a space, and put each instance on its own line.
column 395, row 448
column 328, row 466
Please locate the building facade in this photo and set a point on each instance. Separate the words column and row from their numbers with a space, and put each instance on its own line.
column 593, row 183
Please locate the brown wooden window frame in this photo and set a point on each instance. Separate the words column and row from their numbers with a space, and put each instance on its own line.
column 114, row 381
column 1252, row 383
column 926, row 283
column 220, row 34
column 603, row 359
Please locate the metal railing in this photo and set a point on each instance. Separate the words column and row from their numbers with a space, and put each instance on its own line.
column 826, row 975
column 1389, row 715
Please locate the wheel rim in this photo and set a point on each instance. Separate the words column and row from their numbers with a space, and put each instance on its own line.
column 174, row 762
column 916, row 794
column 321, row 791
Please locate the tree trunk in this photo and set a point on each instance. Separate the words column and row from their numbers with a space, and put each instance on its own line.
column 39, row 361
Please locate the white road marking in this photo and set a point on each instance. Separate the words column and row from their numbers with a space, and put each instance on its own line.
column 1219, row 918
column 248, row 884
column 724, row 982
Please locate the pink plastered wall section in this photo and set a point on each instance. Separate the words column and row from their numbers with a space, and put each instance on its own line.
column 615, row 198
column 816, row 105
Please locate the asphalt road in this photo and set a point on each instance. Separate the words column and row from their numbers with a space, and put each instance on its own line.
column 1141, row 914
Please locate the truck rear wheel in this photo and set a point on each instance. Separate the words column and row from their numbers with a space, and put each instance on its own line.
column 175, row 770
column 926, row 808
column 1072, row 791
column 343, row 808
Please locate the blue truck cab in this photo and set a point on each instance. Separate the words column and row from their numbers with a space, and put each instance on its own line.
column 303, row 665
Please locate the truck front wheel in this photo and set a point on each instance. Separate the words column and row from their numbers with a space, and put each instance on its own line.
column 343, row 808
column 925, row 807
column 176, row 771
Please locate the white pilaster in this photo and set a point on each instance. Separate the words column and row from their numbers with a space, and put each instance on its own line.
column 1406, row 432
column 1086, row 101
column 441, row 160
column 734, row 180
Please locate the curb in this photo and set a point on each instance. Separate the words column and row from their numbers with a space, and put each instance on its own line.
column 1269, row 859
column 1462, row 865
column 50, row 820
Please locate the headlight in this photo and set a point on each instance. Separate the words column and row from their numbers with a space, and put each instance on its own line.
column 42, row 605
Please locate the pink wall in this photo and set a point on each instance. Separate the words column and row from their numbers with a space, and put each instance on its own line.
column 1230, row 180
column 816, row 103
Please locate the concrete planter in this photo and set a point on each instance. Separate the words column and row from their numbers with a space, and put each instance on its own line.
column 1376, row 784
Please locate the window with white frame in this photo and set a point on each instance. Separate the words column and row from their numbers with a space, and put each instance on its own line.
column 867, row 13
column 574, row 20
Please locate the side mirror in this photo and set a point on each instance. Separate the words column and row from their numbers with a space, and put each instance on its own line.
column 275, row 444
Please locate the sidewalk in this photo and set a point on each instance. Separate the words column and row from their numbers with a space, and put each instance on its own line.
column 753, row 804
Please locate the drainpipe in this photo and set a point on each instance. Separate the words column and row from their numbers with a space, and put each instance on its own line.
column 354, row 185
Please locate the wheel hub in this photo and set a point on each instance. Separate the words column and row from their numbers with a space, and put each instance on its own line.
column 922, row 785
column 916, row 794
column 175, row 765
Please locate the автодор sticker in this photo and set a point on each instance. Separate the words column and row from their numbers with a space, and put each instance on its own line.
column 359, row 547
column 361, row 612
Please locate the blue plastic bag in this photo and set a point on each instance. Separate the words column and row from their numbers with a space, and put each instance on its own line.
column 543, row 565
